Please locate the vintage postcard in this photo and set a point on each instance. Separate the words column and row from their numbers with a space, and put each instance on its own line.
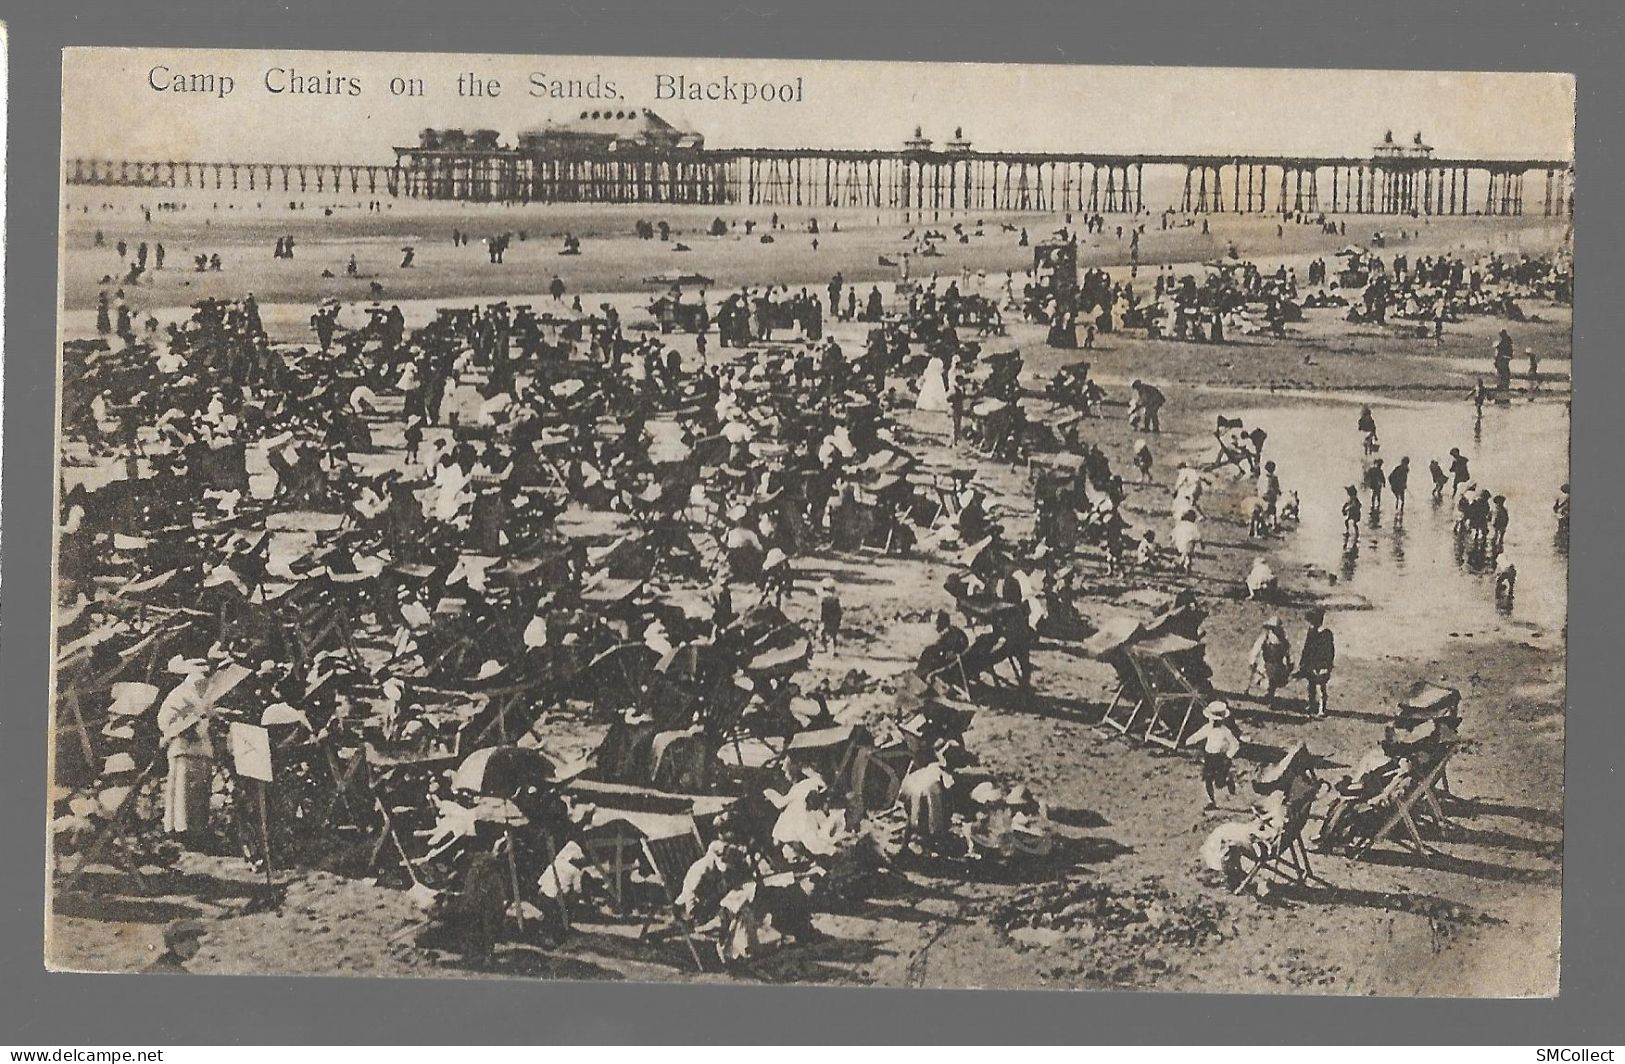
column 885, row 524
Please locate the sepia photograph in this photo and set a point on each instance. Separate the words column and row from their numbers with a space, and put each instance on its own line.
column 778, row 521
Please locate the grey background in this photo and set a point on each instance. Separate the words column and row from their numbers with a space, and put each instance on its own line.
column 36, row 1008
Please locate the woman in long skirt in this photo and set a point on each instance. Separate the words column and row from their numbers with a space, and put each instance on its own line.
column 184, row 723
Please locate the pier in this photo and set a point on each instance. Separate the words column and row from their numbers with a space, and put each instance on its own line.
column 552, row 167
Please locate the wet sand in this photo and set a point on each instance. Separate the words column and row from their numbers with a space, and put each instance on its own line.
column 1480, row 918
column 612, row 259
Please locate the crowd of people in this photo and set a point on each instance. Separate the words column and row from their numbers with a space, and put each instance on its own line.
column 432, row 552
column 568, row 515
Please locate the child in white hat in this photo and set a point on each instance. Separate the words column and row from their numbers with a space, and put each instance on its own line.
column 1220, row 739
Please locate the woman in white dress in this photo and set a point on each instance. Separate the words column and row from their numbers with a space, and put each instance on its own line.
column 1187, row 539
column 183, row 722
column 933, row 388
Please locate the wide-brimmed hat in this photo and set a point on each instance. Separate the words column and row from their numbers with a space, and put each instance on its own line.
column 1217, row 710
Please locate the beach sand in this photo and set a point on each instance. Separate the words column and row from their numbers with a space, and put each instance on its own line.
column 1481, row 917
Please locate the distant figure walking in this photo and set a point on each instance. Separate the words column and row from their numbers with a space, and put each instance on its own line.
column 1375, row 479
column 1459, row 474
column 1368, row 428
column 1351, row 513
column 1398, row 479
column 829, row 614
column 1143, row 459
column 1503, row 361
column 1499, row 520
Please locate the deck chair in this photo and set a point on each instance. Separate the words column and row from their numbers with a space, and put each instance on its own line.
column 996, row 649
column 846, row 757
column 944, row 490
column 326, row 625
column 951, row 673
column 1109, row 645
column 1288, row 857
column 1123, row 711
column 980, row 660
column 1418, row 802
column 614, row 851
column 1129, row 702
column 1171, row 700
column 1231, row 454
column 114, row 839
column 671, row 858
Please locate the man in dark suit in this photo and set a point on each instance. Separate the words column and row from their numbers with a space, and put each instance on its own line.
column 1315, row 662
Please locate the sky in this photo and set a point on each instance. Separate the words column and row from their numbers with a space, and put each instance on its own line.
column 111, row 110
